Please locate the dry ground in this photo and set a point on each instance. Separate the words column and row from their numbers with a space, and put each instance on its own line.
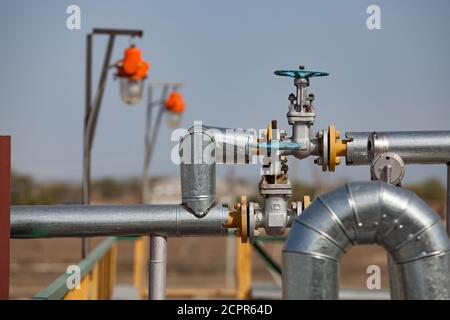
column 193, row 262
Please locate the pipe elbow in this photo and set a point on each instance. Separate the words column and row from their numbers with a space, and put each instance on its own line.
column 372, row 213
column 198, row 171
column 369, row 213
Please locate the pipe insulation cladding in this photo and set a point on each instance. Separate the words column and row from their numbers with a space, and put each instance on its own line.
column 367, row 213
column 114, row 220
column 200, row 149
column 414, row 147
column 198, row 171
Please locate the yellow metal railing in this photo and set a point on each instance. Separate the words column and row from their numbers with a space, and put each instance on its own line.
column 98, row 275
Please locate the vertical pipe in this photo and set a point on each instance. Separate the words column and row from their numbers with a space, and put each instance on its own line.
column 5, row 198
column 394, row 280
column 198, row 171
column 157, row 268
column 392, row 268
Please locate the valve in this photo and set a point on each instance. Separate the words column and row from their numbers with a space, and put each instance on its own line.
column 301, row 73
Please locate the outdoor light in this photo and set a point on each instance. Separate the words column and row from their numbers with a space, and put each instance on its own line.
column 132, row 71
column 175, row 105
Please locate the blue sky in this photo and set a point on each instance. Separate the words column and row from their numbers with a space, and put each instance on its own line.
column 225, row 52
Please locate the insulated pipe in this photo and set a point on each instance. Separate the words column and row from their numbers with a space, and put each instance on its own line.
column 198, row 171
column 233, row 145
column 414, row 147
column 130, row 220
column 367, row 213
column 200, row 149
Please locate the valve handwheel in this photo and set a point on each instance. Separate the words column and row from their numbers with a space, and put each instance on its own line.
column 301, row 73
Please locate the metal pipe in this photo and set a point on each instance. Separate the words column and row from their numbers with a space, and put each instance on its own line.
column 127, row 220
column 414, row 147
column 233, row 145
column 198, row 171
column 367, row 213
column 157, row 268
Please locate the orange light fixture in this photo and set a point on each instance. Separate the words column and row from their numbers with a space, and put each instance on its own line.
column 175, row 105
column 132, row 71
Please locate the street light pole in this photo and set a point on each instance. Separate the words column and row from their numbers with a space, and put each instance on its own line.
column 92, row 108
column 158, row 244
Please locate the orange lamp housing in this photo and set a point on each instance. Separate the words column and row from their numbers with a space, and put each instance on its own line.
column 175, row 103
column 132, row 71
column 132, row 66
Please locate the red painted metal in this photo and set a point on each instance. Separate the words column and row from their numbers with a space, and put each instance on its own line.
column 5, row 198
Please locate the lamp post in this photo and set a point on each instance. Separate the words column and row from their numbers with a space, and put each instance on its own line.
column 132, row 71
column 172, row 104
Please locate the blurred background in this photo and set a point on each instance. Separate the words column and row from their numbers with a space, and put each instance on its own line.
column 395, row 78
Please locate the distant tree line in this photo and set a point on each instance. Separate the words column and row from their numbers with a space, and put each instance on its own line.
column 26, row 190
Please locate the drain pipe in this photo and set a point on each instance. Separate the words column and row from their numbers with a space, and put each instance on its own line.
column 367, row 213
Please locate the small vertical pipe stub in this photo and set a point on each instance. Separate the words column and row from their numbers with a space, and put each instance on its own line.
column 157, row 268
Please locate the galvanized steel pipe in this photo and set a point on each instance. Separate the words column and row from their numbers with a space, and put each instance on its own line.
column 198, row 171
column 414, row 147
column 130, row 220
column 367, row 213
column 157, row 268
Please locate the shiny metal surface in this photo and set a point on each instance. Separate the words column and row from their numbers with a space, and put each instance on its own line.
column 198, row 171
column 414, row 147
column 157, row 268
column 367, row 213
column 357, row 153
column 233, row 145
column 94, row 221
